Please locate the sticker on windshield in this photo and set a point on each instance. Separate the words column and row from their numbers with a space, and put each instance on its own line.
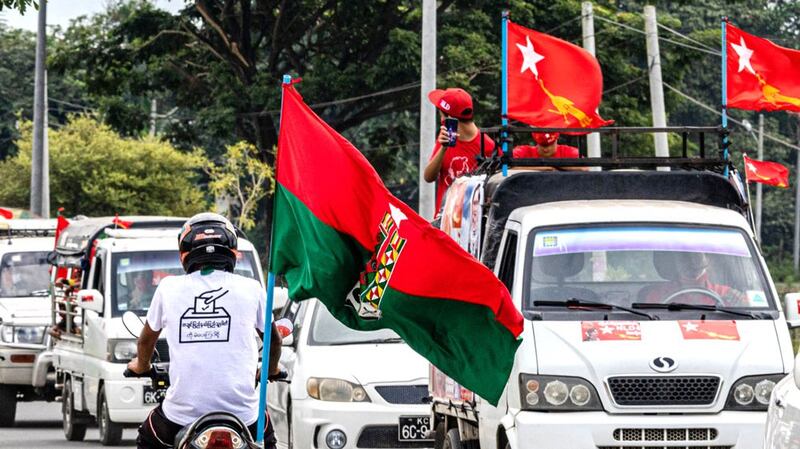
column 16, row 258
column 756, row 298
column 709, row 330
column 611, row 330
column 712, row 241
column 124, row 262
column 206, row 322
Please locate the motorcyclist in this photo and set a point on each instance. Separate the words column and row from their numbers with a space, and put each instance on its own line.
column 211, row 317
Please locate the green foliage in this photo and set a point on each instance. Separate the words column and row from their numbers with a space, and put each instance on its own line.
column 19, row 5
column 242, row 178
column 94, row 171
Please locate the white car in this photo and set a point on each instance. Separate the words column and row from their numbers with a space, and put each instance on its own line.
column 783, row 416
column 24, row 314
column 348, row 389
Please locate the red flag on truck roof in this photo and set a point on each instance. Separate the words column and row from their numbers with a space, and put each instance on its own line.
column 766, row 172
column 761, row 75
column 551, row 82
column 340, row 236
column 5, row 213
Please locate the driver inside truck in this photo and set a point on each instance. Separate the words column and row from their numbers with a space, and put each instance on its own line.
column 142, row 290
column 689, row 281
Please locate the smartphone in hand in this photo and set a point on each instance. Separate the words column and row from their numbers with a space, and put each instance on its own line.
column 451, row 124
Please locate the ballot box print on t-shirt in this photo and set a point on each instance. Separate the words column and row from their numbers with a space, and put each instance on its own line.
column 207, row 321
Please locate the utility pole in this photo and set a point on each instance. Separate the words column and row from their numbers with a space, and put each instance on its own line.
column 759, row 190
column 656, row 85
column 587, row 25
column 153, row 116
column 427, row 112
column 796, row 253
column 40, row 201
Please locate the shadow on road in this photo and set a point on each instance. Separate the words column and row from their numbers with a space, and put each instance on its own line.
column 36, row 425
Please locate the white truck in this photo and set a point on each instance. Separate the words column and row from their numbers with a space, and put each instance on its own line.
column 24, row 313
column 101, row 272
column 650, row 316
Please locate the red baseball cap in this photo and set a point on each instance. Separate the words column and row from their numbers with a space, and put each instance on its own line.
column 454, row 102
column 545, row 138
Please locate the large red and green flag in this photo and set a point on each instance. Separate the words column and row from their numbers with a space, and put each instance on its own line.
column 341, row 237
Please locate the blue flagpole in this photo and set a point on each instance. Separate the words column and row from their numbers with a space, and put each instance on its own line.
column 262, row 395
column 504, row 89
column 725, row 94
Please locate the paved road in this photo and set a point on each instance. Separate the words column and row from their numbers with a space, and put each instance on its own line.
column 39, row 427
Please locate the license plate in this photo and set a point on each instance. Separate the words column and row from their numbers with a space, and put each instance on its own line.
column 414, row 428
column 154, row 395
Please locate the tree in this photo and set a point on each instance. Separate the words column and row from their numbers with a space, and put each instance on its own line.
column 242, row 178
column 94, row 171
column 19, row 5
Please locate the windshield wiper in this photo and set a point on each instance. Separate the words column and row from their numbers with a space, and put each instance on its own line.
column 575, row 303
column 44, row 292
column 675, row 306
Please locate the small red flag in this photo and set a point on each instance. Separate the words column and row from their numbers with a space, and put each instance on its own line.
column 761, row 75
column 7, row 214
column 61, row 224
column 552, row 83
column 121, row 223
column 765, row 172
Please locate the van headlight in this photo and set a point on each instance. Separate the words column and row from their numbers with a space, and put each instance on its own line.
column 335, row 390
column 752, row 392
column 557, row 393
column 121, row 350
column 28, row 335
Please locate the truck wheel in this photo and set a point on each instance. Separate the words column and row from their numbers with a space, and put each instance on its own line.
column 8, row 412
column 439, row 436
column 110, row 432
column 452, row 440
column 73, row 431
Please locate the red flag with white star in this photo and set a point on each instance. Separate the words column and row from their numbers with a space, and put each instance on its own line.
column 762, row 76
column 552, row 83
column 766, row 172
column 709, row 330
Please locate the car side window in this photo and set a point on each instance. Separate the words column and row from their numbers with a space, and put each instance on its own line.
column 507, row 264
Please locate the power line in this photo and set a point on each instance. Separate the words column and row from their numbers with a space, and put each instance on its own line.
column 661, row 39
column 709, row 108
column 678, row 33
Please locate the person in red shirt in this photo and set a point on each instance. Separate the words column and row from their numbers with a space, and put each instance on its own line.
column 547, row 146
column 449, row 162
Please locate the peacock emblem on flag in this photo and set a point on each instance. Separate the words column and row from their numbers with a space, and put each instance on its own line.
column 366, row 297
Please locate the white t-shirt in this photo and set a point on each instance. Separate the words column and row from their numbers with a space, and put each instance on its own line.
column 210, row 323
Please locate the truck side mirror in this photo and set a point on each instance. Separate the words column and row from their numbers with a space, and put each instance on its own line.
column 90, row 299
column 796, row 371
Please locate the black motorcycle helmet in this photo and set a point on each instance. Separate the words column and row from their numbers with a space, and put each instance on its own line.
column 208, row 240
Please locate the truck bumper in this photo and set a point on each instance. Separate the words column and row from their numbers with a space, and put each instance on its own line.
column 365, row 425
column 126, row 400
column 16, row 365
column 599, row 430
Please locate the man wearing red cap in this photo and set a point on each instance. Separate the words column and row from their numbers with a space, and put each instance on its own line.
column 546, row 146
column 449, row 162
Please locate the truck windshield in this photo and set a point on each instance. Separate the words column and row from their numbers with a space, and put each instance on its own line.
column 24, row 274
column 634, row 265
column 327, row 330
column 136, row 275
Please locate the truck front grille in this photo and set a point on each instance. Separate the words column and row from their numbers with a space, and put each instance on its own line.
column 163, row 350
column 648, row 435
column 663, row 390
column 386, row 437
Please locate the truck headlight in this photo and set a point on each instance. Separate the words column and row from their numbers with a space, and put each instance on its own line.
column 29, row 335
column 121, row 350
column 752, row 392
column 557, row 393
column 335, row 390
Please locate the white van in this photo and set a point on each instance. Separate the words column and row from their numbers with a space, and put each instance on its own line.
column 24, row 313
column 108, row 272
column 650, row 316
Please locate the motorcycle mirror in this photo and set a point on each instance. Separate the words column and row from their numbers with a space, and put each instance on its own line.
column 132, row 323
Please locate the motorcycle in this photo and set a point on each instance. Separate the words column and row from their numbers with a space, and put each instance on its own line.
column 214, row 430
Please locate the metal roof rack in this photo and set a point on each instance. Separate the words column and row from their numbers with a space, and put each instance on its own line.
column 706, row 158
column 27, row 228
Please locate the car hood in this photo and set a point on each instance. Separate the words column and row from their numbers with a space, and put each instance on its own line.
column 366, row 363
column 26, row 310
column 734, row 350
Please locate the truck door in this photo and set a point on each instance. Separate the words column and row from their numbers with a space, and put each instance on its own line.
column 94, row 339
column 489, row 417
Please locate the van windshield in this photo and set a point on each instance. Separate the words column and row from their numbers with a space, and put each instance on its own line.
column 626, row 265
column 24, row 274
column 136, row 275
